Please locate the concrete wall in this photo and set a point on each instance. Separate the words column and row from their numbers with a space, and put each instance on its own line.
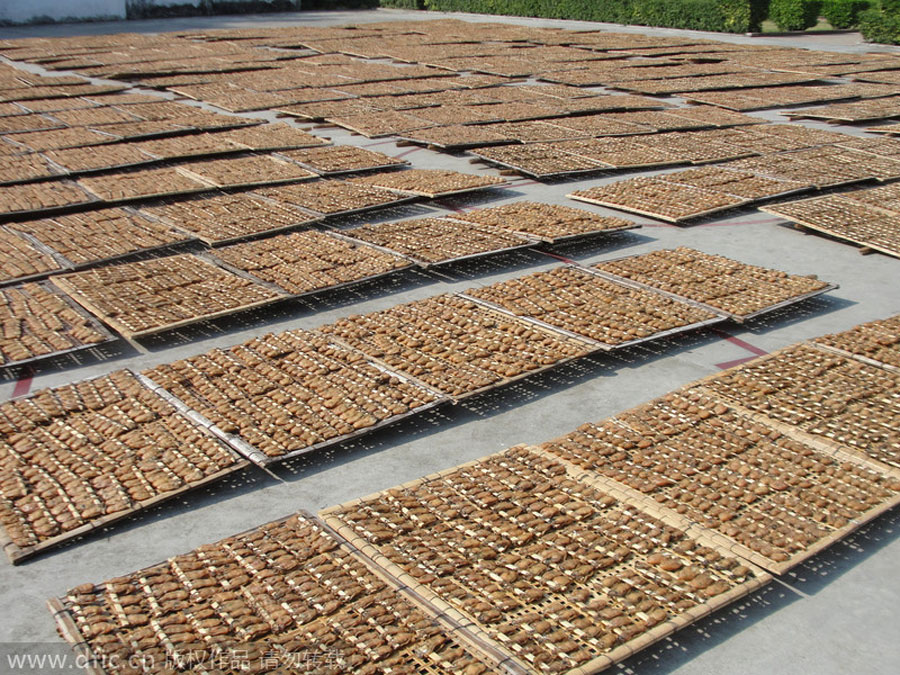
column 21, row 11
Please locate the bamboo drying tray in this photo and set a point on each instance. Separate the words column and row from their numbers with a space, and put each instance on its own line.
column 431, row 183
column 310, row 255
column 26, row 259
column 549, row 223
column 28, row 168
column 876, row 343
column 823, row 396
column 430, row 242
column 304, row 419
column 411, row 532
column 643, row 282
column 472, row 369
column 344, row 592
column 83, row 287
column 100, row 334
column 763, row 493
column 543, row 299
column 221, row 219
column 334, row 198
column 18, row 551
column 541, row 160
column 334, row 160
column 876, row 231
column 102, row 236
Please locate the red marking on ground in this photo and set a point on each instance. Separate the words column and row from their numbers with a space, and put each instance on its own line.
column 408, row 152
column 450, row 207
column 23, row 386
column 558, row 257
column 743, row 344
column 730, row 364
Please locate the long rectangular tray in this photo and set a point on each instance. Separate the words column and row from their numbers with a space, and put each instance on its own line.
column 17, row 554
column 131, row 335
column 734, row 317
column 805, row 224
column 497, row 660
column 604, row 346
column 259, row 458
column 95, row 324
column 376, row 559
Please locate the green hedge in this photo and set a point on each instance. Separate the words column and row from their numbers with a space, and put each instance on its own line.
column 795, row 14
column 881, row 25
column 731, row 16
column 404, row 4
column 142, row 9
column 843, row 13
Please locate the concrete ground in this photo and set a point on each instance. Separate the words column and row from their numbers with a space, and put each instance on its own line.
column 833, row 615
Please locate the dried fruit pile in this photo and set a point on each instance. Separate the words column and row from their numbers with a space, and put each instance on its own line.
column 148, row 296
column 20, row 199
column 876, row 340
column 285, row 393
column 728, row 285
column 225, row 217
column 429, row 182
column 557, row 573
column 866, row 217
column 774, row 495
column 309, row 261
column 454, row 345
column 583, row 303
column 92, row 236
column 250, row 170
column 824, row 394
column 142, row 184
column 332, row 197
column 19, row 259
column 548, row 222
column 286, row 595
column 659, row 198
column 437, row 240
column 342, row 159
column 80, row 453
column 37, row 322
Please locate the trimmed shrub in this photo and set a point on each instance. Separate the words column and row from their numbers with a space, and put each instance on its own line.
column 794, row 14
column 880, row 26
column 843, row 13
column 732, row 16
column 403, row 4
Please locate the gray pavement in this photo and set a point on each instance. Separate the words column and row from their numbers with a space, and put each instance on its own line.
column 833, row 615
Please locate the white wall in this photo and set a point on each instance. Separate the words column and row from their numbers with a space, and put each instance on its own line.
column 20, row 11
